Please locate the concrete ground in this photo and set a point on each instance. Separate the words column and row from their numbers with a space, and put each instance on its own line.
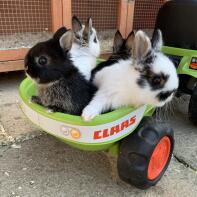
column 35, row 164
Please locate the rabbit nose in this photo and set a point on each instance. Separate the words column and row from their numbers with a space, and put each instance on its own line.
column 162, row 96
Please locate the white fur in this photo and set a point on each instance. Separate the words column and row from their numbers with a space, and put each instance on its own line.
column 163, row 64
column 117, row 87
column 84, row 57
column 117, row 84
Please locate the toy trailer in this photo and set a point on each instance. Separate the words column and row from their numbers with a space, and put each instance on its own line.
column 177, row 20
column 144, row 148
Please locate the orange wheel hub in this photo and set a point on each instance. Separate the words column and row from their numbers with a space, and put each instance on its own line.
column 159, row 158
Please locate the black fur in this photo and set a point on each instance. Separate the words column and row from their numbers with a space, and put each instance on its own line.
column 155, row 38
column 149, row 59
column 113, row 59
column 76, row 24
column 102, row 65
column 95, row 40
column 61, row 87
column 58, row 34
column 155, row 81
column 141, row 82
column 162, row 96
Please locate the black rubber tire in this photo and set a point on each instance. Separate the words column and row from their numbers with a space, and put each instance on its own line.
column 136, row 151
column 193, row 107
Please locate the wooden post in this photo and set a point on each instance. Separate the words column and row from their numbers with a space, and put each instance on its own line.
column 67, row 13
column 13, row 54
column 125, row 16
column 12, row 59
column 57, row 15
column 122, row 17
column 11, row 66
column 130, row 17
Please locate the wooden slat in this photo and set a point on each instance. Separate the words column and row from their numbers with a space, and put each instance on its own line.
column 11, row 66
column 13, row 54
column 57, row 15
column 130, row 17
column 67, row 13
column 122, row 17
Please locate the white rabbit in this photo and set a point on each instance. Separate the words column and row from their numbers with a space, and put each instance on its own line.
column 146, row 77
column 86, row 47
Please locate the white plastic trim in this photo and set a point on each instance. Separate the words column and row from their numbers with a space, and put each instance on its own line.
column 87, row 134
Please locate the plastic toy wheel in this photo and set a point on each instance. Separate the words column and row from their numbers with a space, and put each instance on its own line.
column 193, row 107
column 145, row 155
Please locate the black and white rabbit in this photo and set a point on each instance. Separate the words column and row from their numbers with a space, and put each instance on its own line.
column 146, row 77
column 86, row 47
column 61, row 87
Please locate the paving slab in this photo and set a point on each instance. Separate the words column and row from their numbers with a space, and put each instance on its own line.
column 14, row 126
column 185, row 134
column 9, row 84
column 186, row 140
column 46, row 167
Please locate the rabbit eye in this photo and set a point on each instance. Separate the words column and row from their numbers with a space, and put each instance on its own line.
column 156, row 80
column 42, row 60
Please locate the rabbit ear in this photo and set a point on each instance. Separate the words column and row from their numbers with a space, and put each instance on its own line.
column 66, row 40
column 141, row 46
column 76, row 24
column 118, row 42
column 130, row 41
column 58, row 34
column 88, row 29
column 157, row 40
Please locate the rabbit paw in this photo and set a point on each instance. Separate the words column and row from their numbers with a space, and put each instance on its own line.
column 89, row 113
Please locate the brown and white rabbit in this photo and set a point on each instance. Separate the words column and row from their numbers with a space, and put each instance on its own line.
column 145, row 77
column 61, row 86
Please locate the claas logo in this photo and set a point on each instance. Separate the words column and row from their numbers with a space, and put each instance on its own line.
column 114, row 130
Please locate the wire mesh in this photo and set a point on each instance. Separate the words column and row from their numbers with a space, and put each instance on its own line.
column 145, row 13
column 104, row 14
column 24, row 22
column 19, row 16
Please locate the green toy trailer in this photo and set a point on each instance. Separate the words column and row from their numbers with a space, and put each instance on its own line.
column 144, row 148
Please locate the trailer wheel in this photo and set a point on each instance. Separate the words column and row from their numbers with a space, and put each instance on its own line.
column 145, row 155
